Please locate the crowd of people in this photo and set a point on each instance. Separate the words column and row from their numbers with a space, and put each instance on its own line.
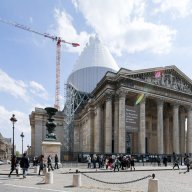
column 112, row 162
column 125, row 162
column 24, row 163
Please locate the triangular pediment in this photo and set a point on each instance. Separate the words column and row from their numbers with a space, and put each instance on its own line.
column 168, row 77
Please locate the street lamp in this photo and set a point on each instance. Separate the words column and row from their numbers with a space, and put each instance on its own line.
column 22, row 135
column 13, row 120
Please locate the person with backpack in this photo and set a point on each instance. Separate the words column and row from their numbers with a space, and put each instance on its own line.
column 24, row 164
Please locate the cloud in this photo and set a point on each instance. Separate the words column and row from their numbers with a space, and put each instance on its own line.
column 67, row 31
column 21, row 90
column 22, row 125
column 176, row 9
column 123, row 28
column 38, row 90
column 16, row 88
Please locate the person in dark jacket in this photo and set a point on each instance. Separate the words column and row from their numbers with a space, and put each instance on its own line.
column 56, row 162
column 24, row 164
column 14, row 165
column 41, row 163
column 49, row 163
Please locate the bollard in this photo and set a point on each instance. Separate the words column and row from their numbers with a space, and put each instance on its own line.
column 49, row 177
column 36, row 169
column 77, row 180
column 19, row 169
column 153, row 185
column 45, row 170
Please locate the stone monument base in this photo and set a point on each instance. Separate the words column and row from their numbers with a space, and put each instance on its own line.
column 51, row 148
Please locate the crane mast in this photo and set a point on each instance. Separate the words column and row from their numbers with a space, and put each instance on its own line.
column 58, row 40
column 57, row 88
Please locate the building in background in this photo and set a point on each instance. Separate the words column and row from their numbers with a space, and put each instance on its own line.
column 5, row 148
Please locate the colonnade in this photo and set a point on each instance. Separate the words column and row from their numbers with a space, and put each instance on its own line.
column 109, row 122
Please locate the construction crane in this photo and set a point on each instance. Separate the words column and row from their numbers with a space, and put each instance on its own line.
column 58, row 40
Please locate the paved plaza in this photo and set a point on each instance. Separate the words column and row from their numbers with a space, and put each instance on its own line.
column 99, row 180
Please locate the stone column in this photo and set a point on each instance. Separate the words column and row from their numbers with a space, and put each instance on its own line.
column 108, row 123
column 121, row 135
column 189, row 130
column 176, row 128
column 167, row 135
column 90, row 127
column 182, row 131
column 160, row 147
column 97, row 130
column 116, row 124
column 142, row 133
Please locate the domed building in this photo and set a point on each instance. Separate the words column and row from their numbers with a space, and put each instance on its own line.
column 110, row 110
column 94, row 61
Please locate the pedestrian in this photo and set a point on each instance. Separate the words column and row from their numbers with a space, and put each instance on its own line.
column 116, row 164
column 176, row 162
column 187, row 163
column 49, row 163
column 132, row 163
column 14, row 165
column 41, row 163
column 89, row 162
column 56, row 162
column 165, row 160
column 24, row 164
column 158, row 161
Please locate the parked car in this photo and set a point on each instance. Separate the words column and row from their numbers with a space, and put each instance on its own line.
column 1, row 162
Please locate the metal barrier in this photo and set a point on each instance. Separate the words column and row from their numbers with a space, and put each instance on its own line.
column 126, row 182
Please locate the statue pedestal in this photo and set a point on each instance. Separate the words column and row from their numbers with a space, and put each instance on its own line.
column 51, row 148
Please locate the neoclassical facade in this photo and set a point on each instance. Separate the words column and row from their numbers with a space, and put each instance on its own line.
column 114, row 121
column 38, row 120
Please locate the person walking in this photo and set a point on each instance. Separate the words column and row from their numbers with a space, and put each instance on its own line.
column 132, row 163
column 41, row 163
column 89, row 162
column 187, row 163
column 14, row 165
column 56, row 162
column 24, row 164
column 176, row 162
column 116, row 164
column 49, row 163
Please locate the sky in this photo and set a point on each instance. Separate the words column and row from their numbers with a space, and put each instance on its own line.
column 140, row 34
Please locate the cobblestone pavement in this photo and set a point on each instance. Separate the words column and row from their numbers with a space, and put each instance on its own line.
column 168, row 180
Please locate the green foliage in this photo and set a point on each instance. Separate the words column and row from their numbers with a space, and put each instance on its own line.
column 17, row 153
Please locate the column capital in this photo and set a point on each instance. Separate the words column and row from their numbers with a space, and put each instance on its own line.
column 189, row 108
column 109, row 94
column 175, row 105
column 160, row 101
column 121, row 93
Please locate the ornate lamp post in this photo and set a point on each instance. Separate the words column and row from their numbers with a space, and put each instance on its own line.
column 13, row 120
column 22, row 135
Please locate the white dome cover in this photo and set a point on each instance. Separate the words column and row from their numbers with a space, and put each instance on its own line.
column 94, row 61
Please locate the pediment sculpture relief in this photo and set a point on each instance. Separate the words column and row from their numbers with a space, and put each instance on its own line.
column 166, row 79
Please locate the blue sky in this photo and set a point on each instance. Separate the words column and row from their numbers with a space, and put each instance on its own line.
column 139, row 34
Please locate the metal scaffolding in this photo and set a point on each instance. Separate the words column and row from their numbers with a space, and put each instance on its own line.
column 75, row 100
